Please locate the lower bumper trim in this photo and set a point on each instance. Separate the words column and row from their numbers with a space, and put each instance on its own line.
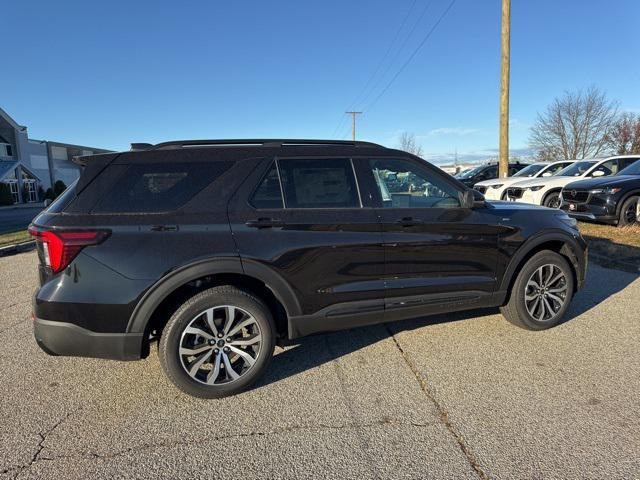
column 67, row 339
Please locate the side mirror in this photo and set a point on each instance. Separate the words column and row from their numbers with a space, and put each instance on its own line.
column 598, row 173
column 547, row 174
column 467, row 199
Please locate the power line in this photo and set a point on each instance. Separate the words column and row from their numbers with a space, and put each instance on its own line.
column 386, row 54
column 415, row 52
column 399, row 51
column 377, row 69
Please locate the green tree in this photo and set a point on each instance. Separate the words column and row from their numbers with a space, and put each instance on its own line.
column 5, row 194
column 59, row 187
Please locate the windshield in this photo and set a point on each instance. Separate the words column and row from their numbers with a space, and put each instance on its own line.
column 633, row 169
column 531, row 170
column 470, row 173
column 576, row 169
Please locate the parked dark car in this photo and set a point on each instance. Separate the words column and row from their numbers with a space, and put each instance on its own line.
column 486, row 172
column 613, row 200
column 219, row 249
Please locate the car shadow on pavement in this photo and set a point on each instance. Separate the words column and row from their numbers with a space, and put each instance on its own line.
column 310, row 352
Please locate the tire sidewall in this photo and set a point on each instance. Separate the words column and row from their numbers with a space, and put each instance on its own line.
column 542, row 258
column 549, row 198
column 622, row 221
column 170, row 342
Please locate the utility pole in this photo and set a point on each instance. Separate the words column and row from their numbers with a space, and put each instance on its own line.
column 353, row 123
column 504, row 89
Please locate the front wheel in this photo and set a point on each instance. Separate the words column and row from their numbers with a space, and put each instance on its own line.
column 217, row 343
column 552, row 200
column 541, row 293
column 629, row 211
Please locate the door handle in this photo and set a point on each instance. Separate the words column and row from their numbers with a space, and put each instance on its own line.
column 164, row 228
column 409, row 221
column 265, row 223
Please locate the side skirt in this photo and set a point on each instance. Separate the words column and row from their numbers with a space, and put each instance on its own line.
column 358, row 314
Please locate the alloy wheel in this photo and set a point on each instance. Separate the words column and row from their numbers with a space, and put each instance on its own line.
column 546, row 292
column 631, row 213
column 220, row 345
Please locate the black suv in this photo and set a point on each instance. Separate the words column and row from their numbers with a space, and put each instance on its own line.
column 613, row 200
column 220, row 249
column 486, row 172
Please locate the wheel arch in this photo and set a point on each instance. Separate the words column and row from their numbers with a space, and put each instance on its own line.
column 558, row 242
column 549, row 192
column 172, row 288
column 631, row 193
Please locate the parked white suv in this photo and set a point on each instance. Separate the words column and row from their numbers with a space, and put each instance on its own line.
column 496, row 188
column 546, row 191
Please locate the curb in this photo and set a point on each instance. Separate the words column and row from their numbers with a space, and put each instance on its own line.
column 17, row 248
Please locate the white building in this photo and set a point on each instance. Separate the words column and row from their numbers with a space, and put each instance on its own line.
column 28, row 165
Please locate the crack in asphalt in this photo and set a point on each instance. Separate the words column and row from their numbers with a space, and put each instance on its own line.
column 39, row 448
column 442, row 412
column 40, row 457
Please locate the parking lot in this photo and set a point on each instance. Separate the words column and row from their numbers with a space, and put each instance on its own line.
column 464, row 396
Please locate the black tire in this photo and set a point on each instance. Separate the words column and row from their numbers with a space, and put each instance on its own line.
column 628, row 212
column 516, row 312
column 216, row 298
column 552, row 200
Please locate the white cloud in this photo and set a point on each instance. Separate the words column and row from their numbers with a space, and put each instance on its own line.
column 457, row 131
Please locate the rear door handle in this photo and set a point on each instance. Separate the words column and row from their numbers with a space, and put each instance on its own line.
column 409, row 221
column 164, row 228
column 265, row 223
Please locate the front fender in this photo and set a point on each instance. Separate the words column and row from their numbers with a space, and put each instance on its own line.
column 577, row 253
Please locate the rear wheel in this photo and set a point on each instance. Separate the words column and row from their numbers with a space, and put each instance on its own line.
column 629, row 211
column 541, row 293
column 552, row 200
column 217, row 343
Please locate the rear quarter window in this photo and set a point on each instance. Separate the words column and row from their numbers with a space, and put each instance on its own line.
column 158, row 187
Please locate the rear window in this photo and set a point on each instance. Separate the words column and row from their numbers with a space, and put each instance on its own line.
column 319, row 183
column 158, row 187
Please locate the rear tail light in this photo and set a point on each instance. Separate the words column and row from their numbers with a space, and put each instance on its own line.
column 60, row 247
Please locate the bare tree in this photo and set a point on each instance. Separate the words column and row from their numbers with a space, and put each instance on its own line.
column 624, row 137
column 408, row 144
column 576, row 125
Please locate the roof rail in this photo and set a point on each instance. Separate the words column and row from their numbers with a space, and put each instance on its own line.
column 248, row 142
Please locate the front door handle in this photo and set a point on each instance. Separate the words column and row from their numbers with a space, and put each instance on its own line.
column 265, row 223
column 409, row 221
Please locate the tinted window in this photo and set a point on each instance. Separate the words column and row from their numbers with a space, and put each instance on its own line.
column 159, row 187
column 318, row 183
column 633, row 169
column 268, row 193
column 609, row 167
column 626, row 162
column 403, row 184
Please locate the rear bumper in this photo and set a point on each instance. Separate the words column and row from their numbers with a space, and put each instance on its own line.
column 67, row 339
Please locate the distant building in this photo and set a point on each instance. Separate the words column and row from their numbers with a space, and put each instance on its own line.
column 30, row 166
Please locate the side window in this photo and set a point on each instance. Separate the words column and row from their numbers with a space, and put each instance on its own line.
column 158, row 187
column 319, row 183
column 403, row 184
column 513, row 171
column 625, row 162
column 268, row 194
column 607, row 168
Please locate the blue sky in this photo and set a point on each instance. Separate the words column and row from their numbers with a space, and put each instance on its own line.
column 109, row 73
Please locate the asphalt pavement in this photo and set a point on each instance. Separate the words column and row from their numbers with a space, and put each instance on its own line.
column 458, row 396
